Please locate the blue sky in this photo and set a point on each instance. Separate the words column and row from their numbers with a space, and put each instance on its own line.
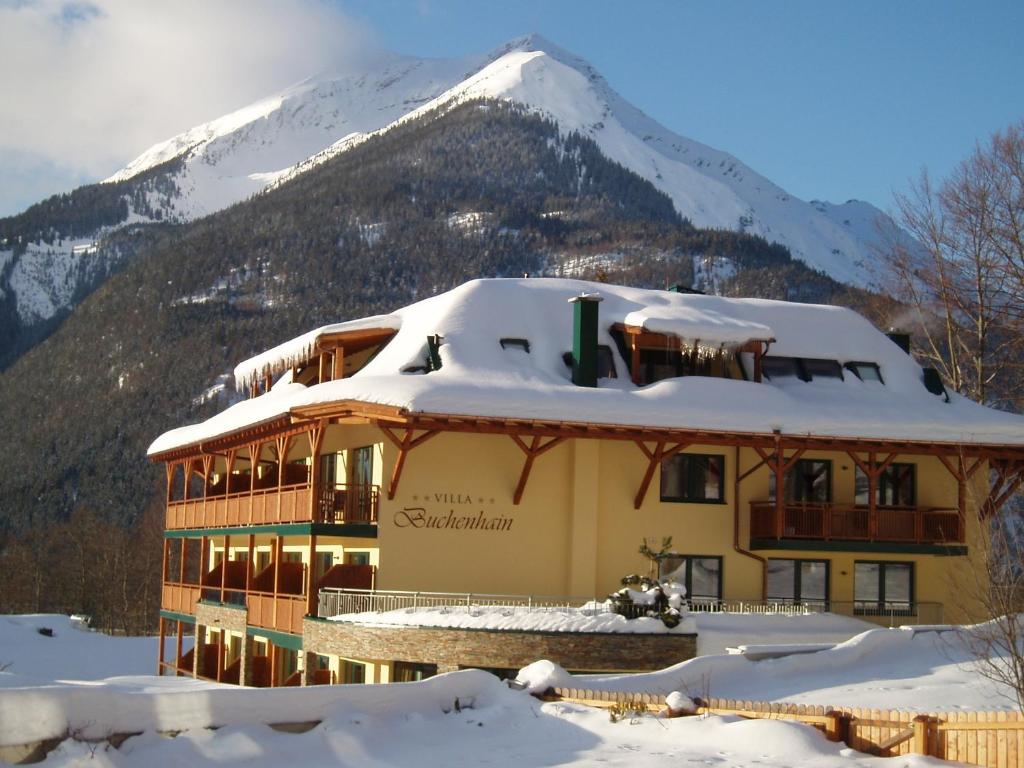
column 830, row 100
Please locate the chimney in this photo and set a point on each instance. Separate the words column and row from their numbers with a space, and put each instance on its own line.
column 900, row 339
column 584, row 339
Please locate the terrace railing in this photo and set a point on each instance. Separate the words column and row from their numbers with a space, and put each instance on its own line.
column 340, row 602
column 825, row 522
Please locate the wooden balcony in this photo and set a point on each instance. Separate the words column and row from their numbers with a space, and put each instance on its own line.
column 839, row 522
column 269, row 506
column 278, row 612
column 180, row 598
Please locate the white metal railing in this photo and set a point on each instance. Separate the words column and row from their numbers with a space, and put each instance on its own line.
column 338, row 602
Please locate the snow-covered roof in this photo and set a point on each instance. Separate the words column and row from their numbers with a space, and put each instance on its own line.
column 479, row 377
column 300, row 349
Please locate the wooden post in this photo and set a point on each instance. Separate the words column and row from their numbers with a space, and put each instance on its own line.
column 178, row 647
column 169, row 468
column 311, row 593
column 278, row 554
column 780, row 490
column 634, row 362
column 204, row 561
column 186, row 476
column 920, row 743
column 220, row 654
column 873, row 473
column 339, row 363
column 184, row 561
column 272, row 653
column 282, row 444
column 250, row 564
column 224, row 567
column 322, row 374
column 167, row 561
column 160, row 652
column 316, row 441
column 228, row 470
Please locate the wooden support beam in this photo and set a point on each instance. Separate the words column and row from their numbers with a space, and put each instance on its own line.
column 207, row 469
column 278, row 556
column 322, row 369
column 184, row 560
column 532, row 451
column 1009, row 476
column 229, row 467
column 404, row 444
column 169, row 467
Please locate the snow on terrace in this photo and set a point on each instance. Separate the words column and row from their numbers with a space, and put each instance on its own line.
column 479, row 378
column 715, row 631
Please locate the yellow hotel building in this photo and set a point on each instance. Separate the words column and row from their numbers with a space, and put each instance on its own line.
column 521, row 438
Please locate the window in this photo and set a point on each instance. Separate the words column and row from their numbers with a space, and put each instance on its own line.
column 866, row 371
column 357, row 558
column 821, row 369
column 353, row 673
column 883, row 587
column 407, row 672
column 701, row 575
column 781, row 368
column 810, row 480
column 521, row 344
column 798, row 581
column 694, row 478
column 897, row 486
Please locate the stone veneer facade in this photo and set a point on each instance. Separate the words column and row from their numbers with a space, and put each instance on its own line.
column 452, row 649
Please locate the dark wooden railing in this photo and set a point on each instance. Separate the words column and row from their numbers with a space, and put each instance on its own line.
column 826, row 522
column 348, row 503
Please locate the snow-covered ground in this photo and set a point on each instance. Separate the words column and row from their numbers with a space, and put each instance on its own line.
column 463, row 718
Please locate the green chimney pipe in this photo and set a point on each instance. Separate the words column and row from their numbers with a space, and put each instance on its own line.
column 584, row 339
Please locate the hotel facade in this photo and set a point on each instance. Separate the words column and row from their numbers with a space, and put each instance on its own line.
column 512, row 443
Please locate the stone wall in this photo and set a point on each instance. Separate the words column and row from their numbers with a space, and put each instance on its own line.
column 454, row 648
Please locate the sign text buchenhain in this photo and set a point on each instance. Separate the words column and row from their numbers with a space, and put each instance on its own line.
column 419, row 517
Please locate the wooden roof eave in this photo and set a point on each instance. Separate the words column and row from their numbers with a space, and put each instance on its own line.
column 300, row 419
column 656, row 339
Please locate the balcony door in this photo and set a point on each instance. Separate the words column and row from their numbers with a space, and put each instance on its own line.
column 809, row 481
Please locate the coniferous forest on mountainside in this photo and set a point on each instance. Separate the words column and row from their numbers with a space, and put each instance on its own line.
column 482, row 190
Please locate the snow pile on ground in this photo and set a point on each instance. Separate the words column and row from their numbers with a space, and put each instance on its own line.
column 28, row 657
column 928, row 669
column 419, row 724
column 479, row 377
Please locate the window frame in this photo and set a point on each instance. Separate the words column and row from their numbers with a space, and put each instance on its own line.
column 885, row 479
column 879, row 607
column 689, row 482
column 510, row 342
column 772, row 490
column 688, row 574
column 854, row 366
column 798, row 598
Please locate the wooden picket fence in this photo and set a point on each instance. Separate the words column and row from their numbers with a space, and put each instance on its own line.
column 989, row 739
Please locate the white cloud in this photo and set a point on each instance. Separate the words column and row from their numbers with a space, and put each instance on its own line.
column 88, row 85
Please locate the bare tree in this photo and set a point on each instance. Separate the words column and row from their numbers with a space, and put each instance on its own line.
column 962, row 274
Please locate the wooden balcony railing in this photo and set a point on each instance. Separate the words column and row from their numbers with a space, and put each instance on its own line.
column 267, row 506
column 180, row 598
column 279, row 612
column 343, row 503
column 826, row 522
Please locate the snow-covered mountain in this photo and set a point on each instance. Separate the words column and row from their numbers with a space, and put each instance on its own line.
column 225, row 161
column 231, row 158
